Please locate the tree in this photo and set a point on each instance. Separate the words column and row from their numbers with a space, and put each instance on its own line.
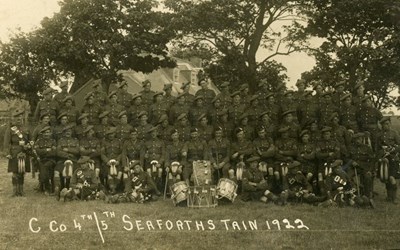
column 360, row 45
column 234, row 32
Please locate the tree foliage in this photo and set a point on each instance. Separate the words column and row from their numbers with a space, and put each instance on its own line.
column 234, row 32
column 361, row 44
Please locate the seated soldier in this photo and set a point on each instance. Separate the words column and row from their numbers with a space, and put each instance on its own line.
column 253, row 184
column 84, row 184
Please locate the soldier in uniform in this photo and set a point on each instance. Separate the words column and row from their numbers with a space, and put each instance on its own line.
column 45, row 147
column 340, row 133
column 137, row 107
column 91, row 108
column 63, row 122
column 205, row 131
column 236, row 109
column 290, row 102
column 270, row 128
column 114, row 107
column 183, row 127
column 83, row 124
column 111, row 156
column 254, row 184
column 301, row 88
column 90, row 146
column 143, row 126
column 273, row 109
column 369, row 118
column 189, row 98
column 338, row 94
column 67, row 107
column 246, row 127
column 390, row 139
column 358, row 95
column 124, row 98
column 164, row 129
column 306, row 155
column 207, row 94
column 130, row 152
column 169, row 99
column 59, row 97
column 123, row 129
column 225, row 95
column 152, row 156
column 196, row 110
column 241, row 150
column 174, row 154
column 288, row 120
column 17, row 145
column 147, row 94
column 100, row 129
column 263, row 92
column 326, row 108
column 47, row 105
column 215, row 109
column 44, row 122
column 158, row 108
column 318, row 98
column 194, row 149
column 307, row 110
column 315, row 132
column 220, row 151
column 68, row 154
column 245, row 94
column 178, row 108
column 253, row 110
column 265, row 148
column 100, row 97
column 225, row 124
column 348, row 114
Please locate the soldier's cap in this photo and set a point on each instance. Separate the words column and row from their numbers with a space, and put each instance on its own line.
column 345, row 96
column 284, row 129
column 174, row 131
column 223, row 112
column 201, row 81
column 358, row 84
column 290, row 111
column 89, row 94
column 184, row 85
column 365, row 98
column 17, row 112
column 253, row 159
column 96, row 83
column 326, row 129
column 84, row 115
column 288, row 92
column 203, row 115
column 157, row 93
column 142, row 113
column 264, row 113
column 334, row 115
column 167, row 86
column 43, row 115
column 253, row 98
column 133, row 130
column 68, row 97
column 134, row 163
column 336, row 163
column 294, row 164
column 193, row 130
column 243, row 116
column 145, row 83
column 238, row 130
column 340, row 83
column 260, row 128
column 112, row 93
column 136, row 96
column 307, row 93
column 104, row 114
column 218, row 129
column 163, row 118
column 300, row 81
column 110, row 130
column 327, row 93
column 154, row 128
column 304, row 132
column 225, row 84
column 235, row 93
column 62, row 115
column 84, row 159
column 64, row 84
column 181, row 116
column 199, row 97
column 44, row 129
column 215, row 99
column 384, row 119
column 123, row 83
column 358, row 135
column 48, row 91
column 122, row 113
column 269, row 95
column 243, row 87
column 68, row 127
column 180, row 95
column 88, row 128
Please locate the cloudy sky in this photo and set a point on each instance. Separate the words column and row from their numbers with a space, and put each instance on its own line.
column 27, row 14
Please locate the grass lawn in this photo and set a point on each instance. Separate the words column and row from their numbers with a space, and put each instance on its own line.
column 135, row 226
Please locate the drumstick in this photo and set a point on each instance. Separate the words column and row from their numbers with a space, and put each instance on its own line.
column 195, row 175
column 166, row 183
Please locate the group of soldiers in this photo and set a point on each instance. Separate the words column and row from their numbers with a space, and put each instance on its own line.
column 306, row 145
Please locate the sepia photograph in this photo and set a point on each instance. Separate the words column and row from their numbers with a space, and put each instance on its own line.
column 199, row 124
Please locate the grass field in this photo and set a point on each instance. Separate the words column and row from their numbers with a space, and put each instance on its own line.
column 134, row 226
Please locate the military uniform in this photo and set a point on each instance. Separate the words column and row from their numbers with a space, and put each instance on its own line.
column 59, row 97
column 286, row 147
column 220, row 152
column 164, row 129
column 253, row 110
column 143, row 126
column 189, row 98
column 199, row 108
column 195, row 149
column 307, row 110
column 253, row 184
column 207, row 94
column 168, row 98
column 123, row 129
column 236, row 109
column 306, row 155
column 183, row 127
column 137, row 108
column 348, row 114
column 215, row 111
column 327, row 149
column 225, row 95
column 100, row 129
column 100, row 97
column 90, row 146
column 71, row 111
column 180, row 107
column 326, row 109
column 123, row 97
column 369, row 118
column 84, row 123
column 84, row 180
column 146, row 93
column 47, row 105
column 92, row 109
column 158, row 108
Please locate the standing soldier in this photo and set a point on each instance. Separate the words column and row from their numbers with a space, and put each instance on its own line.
column 205, row 130
column 225, row 95
column 62, row 123
column 301, row 88
column 369, row 118
column 46, row 147
column 338, row 94
column 288, row 120
column 169, row 99
column 195, row 149
column 124, row 98
column 183, row 127
column 90, row 146
column 47, row 105
column 164, row 129
column 273, row 109
column 265, row 148
column 245, row 94
column 348, row 114
column 114, row 107
column 318, row 98
column 123, row 129
column 236, row 109
column 137, row 107
column 254, row 184
column 91, row 108
column 263, row 92
column 253, row 110
column 44, row 122
column 67, row 107
column 358, row 96
column 306, row 155
column 196, row 110
column 83, row 124
column 111, row 156
column 215, row 109
column 173, row 154
column 17, row 145
column 68, row 154
column 220, row 151
column 147, row 93
column 340, row 133
column 143, row 126
column 189, row 98
column 100, row 97
column 326, row 108
column 290, row 103
column 101, row 129
column 178, row 108
column 158, row 108
column 307, row 110
column 207, row 94
column 225, row 124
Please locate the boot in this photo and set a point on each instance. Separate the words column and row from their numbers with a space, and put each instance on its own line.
column 394, row 195
column 21, row 190
column 15, row 191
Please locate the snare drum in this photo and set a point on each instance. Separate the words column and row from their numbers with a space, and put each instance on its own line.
column 202, row 196
column 179, row 192
column 226, row 189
